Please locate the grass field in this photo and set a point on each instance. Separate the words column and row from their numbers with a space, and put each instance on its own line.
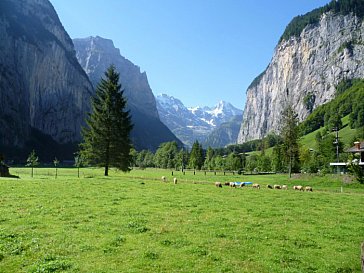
column 135, row 223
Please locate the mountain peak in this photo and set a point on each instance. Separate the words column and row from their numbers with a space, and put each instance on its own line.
column 191, row 123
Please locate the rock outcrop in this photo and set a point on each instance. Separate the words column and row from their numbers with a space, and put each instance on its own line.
column 304, row 72
column 96, row 54
column 42, row 86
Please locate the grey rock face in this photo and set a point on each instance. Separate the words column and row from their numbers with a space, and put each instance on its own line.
column 41, row 83
column 96, row 54
column 309, row 65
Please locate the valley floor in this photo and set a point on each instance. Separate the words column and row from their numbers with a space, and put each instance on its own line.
column 134, row 222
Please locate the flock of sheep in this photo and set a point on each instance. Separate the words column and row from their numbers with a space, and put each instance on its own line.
column 257, row 186
column 164, row 179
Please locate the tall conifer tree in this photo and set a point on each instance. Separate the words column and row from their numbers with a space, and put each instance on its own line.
column 289, row 134
column 196, row 157
column 107, row 135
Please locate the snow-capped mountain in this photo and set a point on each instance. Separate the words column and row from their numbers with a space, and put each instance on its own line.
column 193, row 123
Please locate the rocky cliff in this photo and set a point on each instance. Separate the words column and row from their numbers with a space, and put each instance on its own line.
column 42, row 86
column 96, row 54
column 304, row 71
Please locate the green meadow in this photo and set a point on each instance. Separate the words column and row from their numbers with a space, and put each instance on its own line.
column 133, row 222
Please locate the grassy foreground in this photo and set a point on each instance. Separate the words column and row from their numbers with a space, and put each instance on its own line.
column 135, row 223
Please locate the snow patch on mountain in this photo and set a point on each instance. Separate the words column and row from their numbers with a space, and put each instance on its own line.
column 193, row 123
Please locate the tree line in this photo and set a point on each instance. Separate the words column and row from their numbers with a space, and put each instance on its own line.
column 106, row 138
column 298, row 23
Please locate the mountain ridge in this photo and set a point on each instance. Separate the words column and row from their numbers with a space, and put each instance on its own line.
column 44, row 89
column 303, row 72
column 95, row 55
column 193, row 123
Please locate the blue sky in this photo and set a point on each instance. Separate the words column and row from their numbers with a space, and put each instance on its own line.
column 199, row 51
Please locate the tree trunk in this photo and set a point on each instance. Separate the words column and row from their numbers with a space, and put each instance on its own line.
column 290, row 166
column 107, row 159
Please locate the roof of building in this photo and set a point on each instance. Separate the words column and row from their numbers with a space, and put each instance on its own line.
column 355, row 149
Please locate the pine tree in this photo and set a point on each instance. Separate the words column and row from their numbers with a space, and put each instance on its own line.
column 289, row 134
column 196, row 157
column 107, row 137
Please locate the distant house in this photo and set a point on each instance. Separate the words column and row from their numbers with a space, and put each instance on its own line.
column 358, row 148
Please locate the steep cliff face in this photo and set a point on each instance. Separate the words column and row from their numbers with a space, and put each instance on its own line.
column 42, row 86
column 96, row 54
column 303, row 72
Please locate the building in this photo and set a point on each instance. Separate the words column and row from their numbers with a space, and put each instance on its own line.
column 358, row 148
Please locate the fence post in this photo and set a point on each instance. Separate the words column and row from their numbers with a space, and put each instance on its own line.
column 362, row 257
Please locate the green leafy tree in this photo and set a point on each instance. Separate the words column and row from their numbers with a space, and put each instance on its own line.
column 78, row 163
column 56, row 163
column 219, row 162
column 355, row 169
column 251, row 163
column 289, row 134
column 144, row 159
column 196, row 156
column 278, row 158
column 233, row 162
column 32, row 161
column 264, row 163
column 182, row 159
column 107, row 137
column 209, row 160
column 166, row 155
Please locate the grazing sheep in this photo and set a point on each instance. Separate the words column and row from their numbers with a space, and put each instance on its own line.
column 242, row 185
column 277, row 187
column 256, row 186
column 232, row 184
column 308, row 188
column 298, row 188
column 218, row 184
column 269, row 186
column 164, row 179
column 175, row 180
column 227, row 183
column 284, row 187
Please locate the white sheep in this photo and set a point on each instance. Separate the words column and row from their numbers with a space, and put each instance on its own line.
column 175, row 180
column 298, row 188
column 308, row 188
column 277, row 187
column 256, row 186
column 284, row 187
column 164, row 179
column 218, row 184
